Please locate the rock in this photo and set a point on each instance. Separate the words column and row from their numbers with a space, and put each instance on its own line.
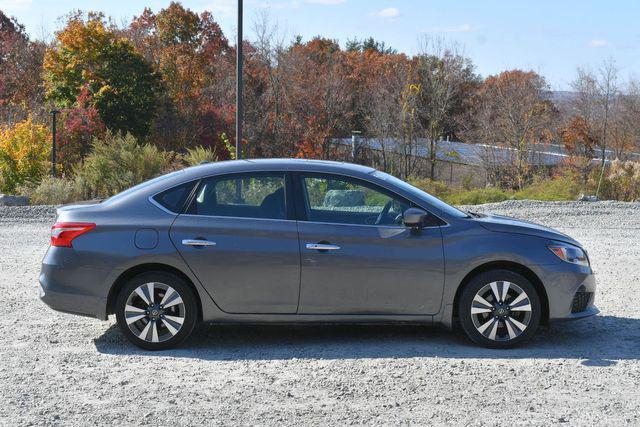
column 587, row 198
column 344, row 198
column 7, row 200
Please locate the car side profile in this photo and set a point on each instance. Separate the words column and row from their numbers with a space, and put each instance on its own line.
column 306, row 241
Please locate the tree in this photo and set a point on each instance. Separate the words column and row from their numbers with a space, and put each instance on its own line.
column 296, row 97
column 447, row 80
column 319, row 96
column 510, row 110
column 21, row 91
column 580, row 141
column 189, row 52
column 24, row 150
column 597, row 96
column 79, row 126
column 88, row 53
column 409, row 128
column 268, row 125
column 369, row 44
column 376, row 84
column 629, row 119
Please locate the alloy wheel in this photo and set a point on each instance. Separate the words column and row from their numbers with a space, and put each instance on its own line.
column 501, row 311
column 154, row 312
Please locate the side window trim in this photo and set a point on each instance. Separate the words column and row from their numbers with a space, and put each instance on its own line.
column 299, row 196
column 289, row 212
column 192, row 196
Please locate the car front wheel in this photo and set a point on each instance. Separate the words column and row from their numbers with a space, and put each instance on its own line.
column 156, row 310
column 499, row 309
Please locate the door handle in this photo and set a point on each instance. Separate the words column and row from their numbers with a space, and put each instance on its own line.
column 198, row 242
column 322, row 247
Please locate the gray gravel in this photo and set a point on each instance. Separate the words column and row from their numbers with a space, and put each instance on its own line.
column 63, row 369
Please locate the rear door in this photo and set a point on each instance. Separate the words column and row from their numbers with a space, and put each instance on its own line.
column 239, row 237
column 358, row 257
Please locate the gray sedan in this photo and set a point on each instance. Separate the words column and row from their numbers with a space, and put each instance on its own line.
column 307, row 241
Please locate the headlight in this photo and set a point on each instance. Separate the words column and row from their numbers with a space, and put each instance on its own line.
column 571, row 254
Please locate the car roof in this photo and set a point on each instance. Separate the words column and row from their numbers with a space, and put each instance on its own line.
column 277, row 164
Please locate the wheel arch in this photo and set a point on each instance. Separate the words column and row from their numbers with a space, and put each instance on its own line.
column 511, row 266
column 145, row 268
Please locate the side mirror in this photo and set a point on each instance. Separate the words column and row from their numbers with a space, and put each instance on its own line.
column 414, row 217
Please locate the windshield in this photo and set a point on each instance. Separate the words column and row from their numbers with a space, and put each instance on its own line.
column 142, row 185
column 433, row 201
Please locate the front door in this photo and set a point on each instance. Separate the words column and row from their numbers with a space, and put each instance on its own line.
column 239, row 238
column 357, row 256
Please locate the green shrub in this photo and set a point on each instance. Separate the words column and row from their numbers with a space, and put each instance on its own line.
column 52, row 191
column 199, row 155
column 116, row 163
column 557, row 189
column 459, row 196
column 477, row 196
column 622, row 181
column 436, row 188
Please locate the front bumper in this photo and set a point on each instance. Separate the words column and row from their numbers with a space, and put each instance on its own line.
column 588, row 312
column 562, row 291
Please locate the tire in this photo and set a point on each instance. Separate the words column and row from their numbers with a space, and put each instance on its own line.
column 162, row 322
column 499, row 322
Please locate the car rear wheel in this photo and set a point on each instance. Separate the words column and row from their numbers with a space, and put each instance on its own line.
column 499, row 309
column 156, row 310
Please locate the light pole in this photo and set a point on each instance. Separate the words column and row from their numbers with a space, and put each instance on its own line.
column 53, row 142
column 239, row 85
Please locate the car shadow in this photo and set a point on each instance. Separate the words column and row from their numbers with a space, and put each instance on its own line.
column 598, row 341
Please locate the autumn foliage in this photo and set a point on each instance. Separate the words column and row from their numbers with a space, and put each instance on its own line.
column 165, row 82
column 23, row 154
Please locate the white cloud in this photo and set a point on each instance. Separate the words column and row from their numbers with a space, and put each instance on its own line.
column 464, row 28
column 326, row 2
column 598, row 43
column 390, row 12
column 13, row 6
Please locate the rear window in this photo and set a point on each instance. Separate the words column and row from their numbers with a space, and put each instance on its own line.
column 242, row 196
column 174, row 198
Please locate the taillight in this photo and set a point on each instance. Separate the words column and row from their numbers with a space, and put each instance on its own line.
column 63, row 233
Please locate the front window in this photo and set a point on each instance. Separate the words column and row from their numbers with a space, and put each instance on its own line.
column 428, row 198
column 345, row 201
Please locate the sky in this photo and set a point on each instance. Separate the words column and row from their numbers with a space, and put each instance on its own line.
column 550, row 37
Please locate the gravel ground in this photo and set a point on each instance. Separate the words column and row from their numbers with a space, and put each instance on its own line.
column 63, row 369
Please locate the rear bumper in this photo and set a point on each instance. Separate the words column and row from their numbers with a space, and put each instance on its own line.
column 70, row 303
column 70, row 289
